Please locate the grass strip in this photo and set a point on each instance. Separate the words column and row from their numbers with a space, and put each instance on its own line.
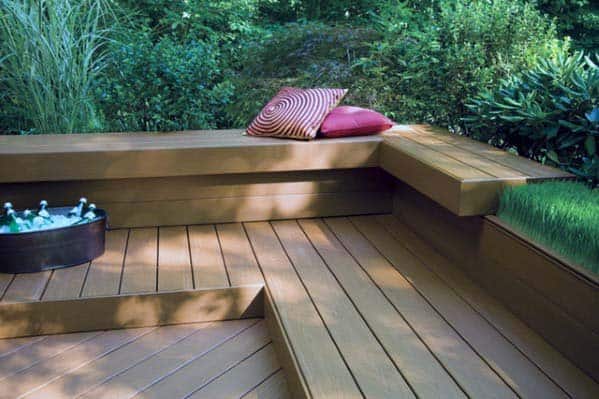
column 563, row 216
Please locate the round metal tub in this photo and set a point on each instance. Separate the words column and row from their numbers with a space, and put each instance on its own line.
column 53, row 248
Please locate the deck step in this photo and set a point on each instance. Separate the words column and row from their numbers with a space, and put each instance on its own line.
column 225, row 359
column 362, row 307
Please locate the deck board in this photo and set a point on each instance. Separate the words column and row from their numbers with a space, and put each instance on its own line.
column 206, row 257
column 548, row 359
column 29, row 379
column 104, row 275
column 242, row 378
column 238, row 256
column 522, row 376
column 174, row 263
column 364, row 305
column 349, row 331
column 464, row 176
column 66, row 283
column 201, row 371
column 123, row 363
column 463, row 364
column 306, row 332
column 26, row 287
column 274, row 387
column 141, row 262
column 416, row 360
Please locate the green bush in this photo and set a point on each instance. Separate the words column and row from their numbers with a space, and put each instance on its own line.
column 51, row 51
column 549, row 113
column 560, row 215
column 163, row 87
column 426, row 68
column 304, row 54
column 578, row 19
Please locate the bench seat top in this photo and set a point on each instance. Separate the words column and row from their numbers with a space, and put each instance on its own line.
column 463, row 175
column 202, row 152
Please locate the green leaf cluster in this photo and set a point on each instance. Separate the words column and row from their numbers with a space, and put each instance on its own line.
column 549, row 113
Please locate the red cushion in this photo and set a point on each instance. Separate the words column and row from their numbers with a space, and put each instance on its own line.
column 295, row 113
column 353, row 121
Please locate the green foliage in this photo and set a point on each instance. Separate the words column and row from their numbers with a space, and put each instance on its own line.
column 560, row 215
column 426, row 69
column 549, row 113
column 337, row 10
column 297, row 54
column 164, row 86
column 576, row 18
column 50, row 53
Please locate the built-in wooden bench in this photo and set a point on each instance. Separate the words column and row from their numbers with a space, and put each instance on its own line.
column 146, row 179
column 179, row 178
column 359, row 306
column 463, row 175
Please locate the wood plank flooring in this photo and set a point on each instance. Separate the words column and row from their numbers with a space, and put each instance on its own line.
column 227, row 359
column 393, row 318
column 146, row 260
column 361, row 306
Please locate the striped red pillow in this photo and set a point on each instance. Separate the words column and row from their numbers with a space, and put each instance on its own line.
column 295, row 113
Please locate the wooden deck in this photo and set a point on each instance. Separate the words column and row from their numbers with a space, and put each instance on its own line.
column 146, row 260
column 227, row 359
column 356, row 307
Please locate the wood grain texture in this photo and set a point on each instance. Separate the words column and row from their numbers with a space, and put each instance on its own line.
column 467, row 180
column 144, row 374
column 122, row 363
column 469, row 369
column 141, row 262
column 531, row 169
column 201, row 371
column 33, row 377
column 26, row 287
column 125, row 155
column 174, row 263
column 421, row 368
column 274, row 387
column 144, row 202
column 104, row 275
column 306, row 332
column 242, row 209
column 206, row 257
column 66, row 283
column 569, row 377
column 243, row 377
column 375, row 372
column 296, row 382
column 127, row 311
column 461, row 241
column 516, row 370
column 238, row 255
column 102, row 369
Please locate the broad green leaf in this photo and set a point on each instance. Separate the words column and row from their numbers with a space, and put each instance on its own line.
column 591, row 145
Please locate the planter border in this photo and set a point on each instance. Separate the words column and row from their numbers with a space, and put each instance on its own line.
column 567, row 265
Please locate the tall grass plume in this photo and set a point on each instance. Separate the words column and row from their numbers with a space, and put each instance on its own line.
column 50, row 53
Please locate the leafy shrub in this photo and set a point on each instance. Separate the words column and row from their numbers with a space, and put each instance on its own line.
column 561, row 215
column 427, row 68
column 297, row 54
column 576, row 18
column 51, row 51
column 164, row 86
column 549, row 113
